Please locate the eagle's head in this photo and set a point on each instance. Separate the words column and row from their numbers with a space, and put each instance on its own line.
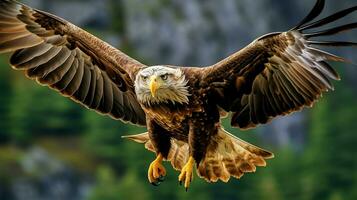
column 160, row 84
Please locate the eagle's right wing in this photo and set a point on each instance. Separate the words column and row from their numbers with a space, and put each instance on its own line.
column 278, row 73
column 66, row 58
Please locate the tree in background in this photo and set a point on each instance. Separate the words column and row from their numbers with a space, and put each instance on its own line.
column 331, row 157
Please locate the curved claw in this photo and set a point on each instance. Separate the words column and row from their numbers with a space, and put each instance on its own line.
column 156, row 183
column 186, row 174
column 156, row 171
column 161, row 178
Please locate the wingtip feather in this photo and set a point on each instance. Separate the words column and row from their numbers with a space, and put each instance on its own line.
column 316, row 11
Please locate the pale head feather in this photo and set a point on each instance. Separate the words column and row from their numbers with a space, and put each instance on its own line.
column 172, row 90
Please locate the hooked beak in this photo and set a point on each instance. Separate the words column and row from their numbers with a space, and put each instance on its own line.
column 154, row 85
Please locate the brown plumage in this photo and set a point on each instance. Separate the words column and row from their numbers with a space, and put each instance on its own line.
column 275, row 75
column 66, row 58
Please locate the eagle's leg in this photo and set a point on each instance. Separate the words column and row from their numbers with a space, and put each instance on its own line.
column 186, row 174
column 161, row 142
column 198, row 139
column 156, row 171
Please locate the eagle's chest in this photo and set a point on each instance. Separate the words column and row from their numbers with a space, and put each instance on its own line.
column 176, row 118
column 173, row 119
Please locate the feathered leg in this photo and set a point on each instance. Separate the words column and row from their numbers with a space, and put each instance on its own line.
column 160, row 139
column 198, row 139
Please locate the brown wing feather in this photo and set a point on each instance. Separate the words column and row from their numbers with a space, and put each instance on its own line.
column 277, row 74
column 68, row 59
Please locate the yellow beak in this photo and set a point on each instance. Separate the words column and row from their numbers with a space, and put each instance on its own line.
column 154, row 85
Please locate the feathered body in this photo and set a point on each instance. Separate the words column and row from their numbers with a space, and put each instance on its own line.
column 275, row 75
column 177, row 117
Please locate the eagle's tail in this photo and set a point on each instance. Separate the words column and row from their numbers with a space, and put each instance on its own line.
column 228, row 156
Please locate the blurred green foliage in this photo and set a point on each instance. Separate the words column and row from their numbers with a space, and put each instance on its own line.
column 34, row 115
column 91, row 143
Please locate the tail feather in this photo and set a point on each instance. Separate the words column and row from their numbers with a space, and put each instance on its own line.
column 228, row 156
column 142, row 138
column 254, row 149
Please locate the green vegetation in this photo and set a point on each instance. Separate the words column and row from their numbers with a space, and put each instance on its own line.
column 91, row 143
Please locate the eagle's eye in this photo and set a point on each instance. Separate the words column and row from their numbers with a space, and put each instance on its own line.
column 164, row 77
column 144, row 77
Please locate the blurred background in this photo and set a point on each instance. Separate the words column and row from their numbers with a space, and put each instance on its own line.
column 54, row 149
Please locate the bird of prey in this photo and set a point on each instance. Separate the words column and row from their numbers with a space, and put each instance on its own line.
column 277, row 74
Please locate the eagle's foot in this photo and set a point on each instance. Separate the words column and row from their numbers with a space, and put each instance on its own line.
column 186, row 174
column 156, row 172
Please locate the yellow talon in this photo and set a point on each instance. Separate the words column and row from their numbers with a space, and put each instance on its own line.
column 156, row 171
column 186, row 174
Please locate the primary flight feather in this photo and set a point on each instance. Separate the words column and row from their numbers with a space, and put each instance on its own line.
column 275, row 75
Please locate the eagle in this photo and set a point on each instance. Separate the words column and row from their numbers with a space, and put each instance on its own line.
column 181, row 107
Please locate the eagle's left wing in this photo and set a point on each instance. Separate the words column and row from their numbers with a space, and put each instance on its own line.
column 278, row 73
column 66, row 58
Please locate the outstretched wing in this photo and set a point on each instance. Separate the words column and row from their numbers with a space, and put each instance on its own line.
column 278, row 73
column 66, row 58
